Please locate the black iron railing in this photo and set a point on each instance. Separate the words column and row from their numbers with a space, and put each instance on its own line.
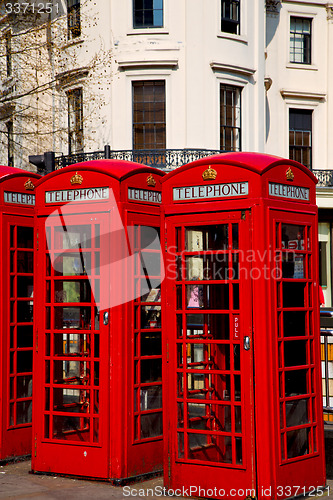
column 325, row 177
column 167, row 159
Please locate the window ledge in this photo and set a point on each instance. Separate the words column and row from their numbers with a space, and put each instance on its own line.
column 73, row 41
column 217, row 66
column 307, row 67
column 316, row 96
column 148, row 31
column 230, row 36
column 162, row 63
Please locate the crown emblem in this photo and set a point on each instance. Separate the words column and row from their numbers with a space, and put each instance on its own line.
column 76, row 179
column 151, row 181
column 209, row 174
column 289, row 175
column 29, row 185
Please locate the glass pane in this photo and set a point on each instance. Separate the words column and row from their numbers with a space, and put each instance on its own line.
column 24, row 386
column 151, row 343
column 71, row 400
column 295, row 382
column 25, row 262
column 295, row 353
column 294, row 323
column 200, row 238
column 24, row 311
column 72, row 291
column 210, row 326
column 25, row 237
column 293, row 265
column 208, row 296
column 75, row 237
column 151, row 317
column 24, row 336
column 72, row 317
column 210, row 448
column 71, row 428
column 297, row 443
column 292, row 237
column 297, row 412
column 151, row 370
column 72, row 264
column 210, row 267
column 71, row 372
column 24, row 412
column 294, row 294
column 151, row 397
column 24, row 361
column 151, row 425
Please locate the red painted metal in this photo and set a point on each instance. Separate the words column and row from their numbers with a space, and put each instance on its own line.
column 242, row 378
column 16, row 243
column 97, row 406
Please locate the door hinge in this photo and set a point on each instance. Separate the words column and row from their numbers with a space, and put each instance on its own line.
column 35, row 445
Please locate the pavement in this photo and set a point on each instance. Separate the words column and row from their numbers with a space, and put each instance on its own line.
column 17, row 483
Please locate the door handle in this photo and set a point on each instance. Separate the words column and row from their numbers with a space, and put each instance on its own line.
column 106, row 318
column 247, row 343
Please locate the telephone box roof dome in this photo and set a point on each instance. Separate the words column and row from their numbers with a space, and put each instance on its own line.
column 6, row 171
column 256, row 162
column 118, row 169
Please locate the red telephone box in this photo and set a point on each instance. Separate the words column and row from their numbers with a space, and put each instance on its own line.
column 17, row 200
column 98, row 359
column 242, row 380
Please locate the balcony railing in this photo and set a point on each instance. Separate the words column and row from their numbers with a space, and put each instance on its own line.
column 325, row 177
column 166, row 159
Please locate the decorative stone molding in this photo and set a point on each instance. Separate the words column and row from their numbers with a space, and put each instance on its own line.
column 268, row 83
column 273, row 6
column 329, row 10
column 71, row 76
column 295, row 94
column 217, row 66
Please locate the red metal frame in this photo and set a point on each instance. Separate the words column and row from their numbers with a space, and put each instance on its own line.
column 281, row 371
column 83, row 421
column 16, row 240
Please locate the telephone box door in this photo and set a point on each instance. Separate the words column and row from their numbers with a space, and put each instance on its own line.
column 73, row 352
column 210, row 353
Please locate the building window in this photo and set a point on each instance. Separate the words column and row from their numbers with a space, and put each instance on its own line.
column 300, row 136
column 300, row 40
column 75, row 121
column 8, row 50
column 230, row 118
column 230, row 10
column 147, row 13
column 149, row 115
column 10, row 143
column 73, row 18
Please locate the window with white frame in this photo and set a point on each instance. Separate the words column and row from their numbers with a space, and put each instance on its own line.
column 230, row 16
column 300, row 40
column 300, row 136
column 75, row 121
column 230, row 118
column 147, row 13
column 149, row 127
